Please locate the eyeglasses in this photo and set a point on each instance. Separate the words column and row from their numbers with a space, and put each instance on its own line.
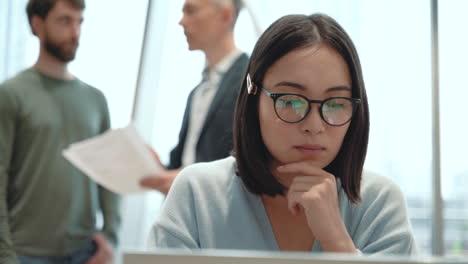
column 293, row 108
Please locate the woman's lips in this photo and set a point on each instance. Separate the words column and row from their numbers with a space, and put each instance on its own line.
column 310, row 149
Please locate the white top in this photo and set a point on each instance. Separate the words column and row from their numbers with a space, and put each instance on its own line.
column 209, row 207
column 201, row 102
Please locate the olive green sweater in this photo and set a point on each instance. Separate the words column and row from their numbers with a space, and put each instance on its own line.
column 47, row 206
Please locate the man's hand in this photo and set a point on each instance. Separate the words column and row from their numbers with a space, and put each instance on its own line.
column 161, row 182
column 155, row 156
column 104, row 253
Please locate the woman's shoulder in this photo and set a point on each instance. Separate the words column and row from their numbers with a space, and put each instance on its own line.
column 379, row 223
column 376, row 187
column 207, row 175
column 371, row 179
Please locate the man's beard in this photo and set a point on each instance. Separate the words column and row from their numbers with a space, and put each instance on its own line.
column 59, row 51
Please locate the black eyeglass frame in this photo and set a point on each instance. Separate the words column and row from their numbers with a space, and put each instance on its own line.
column 355, row 102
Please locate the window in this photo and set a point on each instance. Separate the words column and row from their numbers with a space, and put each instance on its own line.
column 454, row 128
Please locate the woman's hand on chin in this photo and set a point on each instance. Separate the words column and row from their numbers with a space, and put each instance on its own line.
column 314, row 191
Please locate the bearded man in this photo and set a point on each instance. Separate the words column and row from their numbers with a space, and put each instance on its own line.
column 47, row 207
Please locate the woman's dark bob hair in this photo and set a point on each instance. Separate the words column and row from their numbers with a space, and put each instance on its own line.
column 283, row 36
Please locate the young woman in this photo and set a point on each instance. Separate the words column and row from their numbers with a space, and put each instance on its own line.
column 296, row 180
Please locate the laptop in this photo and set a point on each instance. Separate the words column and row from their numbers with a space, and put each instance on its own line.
column 261, row 257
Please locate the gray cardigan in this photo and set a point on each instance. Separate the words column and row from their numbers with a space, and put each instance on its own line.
column 209, row 207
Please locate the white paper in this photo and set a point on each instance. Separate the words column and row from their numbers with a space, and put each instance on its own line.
column 117, row 159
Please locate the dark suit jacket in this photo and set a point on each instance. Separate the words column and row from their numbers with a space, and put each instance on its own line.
column 215, row 141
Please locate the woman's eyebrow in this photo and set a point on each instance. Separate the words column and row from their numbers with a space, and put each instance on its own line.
column 290, row 84
column 302, row 87
column 338, row 88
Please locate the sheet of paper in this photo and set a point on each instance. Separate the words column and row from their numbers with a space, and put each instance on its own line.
column 117, row 159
